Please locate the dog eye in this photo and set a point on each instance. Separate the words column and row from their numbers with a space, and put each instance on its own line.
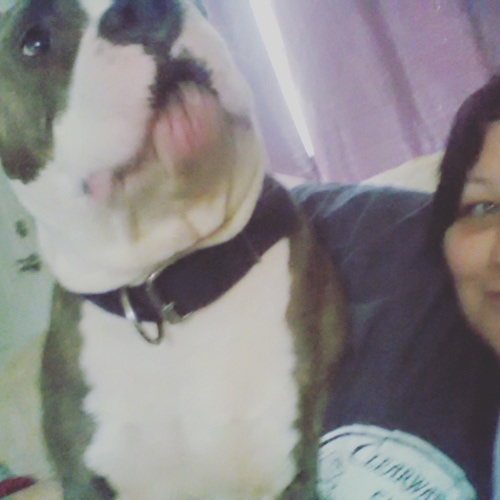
column 35, row 42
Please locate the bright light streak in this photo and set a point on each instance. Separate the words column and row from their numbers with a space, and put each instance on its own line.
column 271, row 34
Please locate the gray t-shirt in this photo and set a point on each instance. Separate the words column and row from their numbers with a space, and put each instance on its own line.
column 414, row 409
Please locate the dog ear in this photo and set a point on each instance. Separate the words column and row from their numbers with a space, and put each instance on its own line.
column 201, row 7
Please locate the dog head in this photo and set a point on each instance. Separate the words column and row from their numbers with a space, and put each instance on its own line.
column 128, row 133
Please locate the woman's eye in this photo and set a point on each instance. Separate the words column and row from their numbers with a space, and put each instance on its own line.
column 480, row 209
column 35, row 42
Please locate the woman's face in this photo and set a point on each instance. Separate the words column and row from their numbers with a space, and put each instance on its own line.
column 472, row 243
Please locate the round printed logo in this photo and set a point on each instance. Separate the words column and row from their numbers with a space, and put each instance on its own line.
column 361, row 462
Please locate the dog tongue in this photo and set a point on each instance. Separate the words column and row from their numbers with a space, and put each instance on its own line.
column 184, row 131
column 188, row 127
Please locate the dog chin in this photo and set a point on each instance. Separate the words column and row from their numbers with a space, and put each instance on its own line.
column 191, row 128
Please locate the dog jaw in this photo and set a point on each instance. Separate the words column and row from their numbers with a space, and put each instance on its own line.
column 130, row 187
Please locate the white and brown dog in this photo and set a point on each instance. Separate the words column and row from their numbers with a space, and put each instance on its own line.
column 195, row 322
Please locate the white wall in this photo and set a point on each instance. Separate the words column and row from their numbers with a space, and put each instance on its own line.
column 24, row 296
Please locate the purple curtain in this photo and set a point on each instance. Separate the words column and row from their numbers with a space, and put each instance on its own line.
column 380, row 79
column 234, row 19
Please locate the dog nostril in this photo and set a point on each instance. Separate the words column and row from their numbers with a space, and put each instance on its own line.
column 118, row 21
column 128, row 17
column 145, row 22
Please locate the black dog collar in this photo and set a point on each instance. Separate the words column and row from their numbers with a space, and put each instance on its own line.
column 197, row 280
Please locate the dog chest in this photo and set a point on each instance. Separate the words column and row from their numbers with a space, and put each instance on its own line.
column 210, row 412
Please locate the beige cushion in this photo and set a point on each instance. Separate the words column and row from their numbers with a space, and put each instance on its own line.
column 419, row 174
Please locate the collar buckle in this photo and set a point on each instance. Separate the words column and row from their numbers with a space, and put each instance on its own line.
column 164, row 312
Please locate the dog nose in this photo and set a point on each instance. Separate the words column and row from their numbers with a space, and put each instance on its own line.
column 141, row 21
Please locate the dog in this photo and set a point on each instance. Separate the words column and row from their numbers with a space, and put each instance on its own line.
column 196, row 322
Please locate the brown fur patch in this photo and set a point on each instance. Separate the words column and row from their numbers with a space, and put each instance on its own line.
column 317, row 315
column 67, row 428
column 33, row 89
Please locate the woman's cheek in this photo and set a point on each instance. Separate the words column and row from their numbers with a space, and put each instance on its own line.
column 458, row 258
column 465, row 256
column 468, row 255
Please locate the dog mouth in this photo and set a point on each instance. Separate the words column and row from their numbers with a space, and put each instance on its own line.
column 185, row 121
column 173, row 74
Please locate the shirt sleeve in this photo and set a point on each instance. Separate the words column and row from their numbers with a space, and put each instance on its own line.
column 412, row 366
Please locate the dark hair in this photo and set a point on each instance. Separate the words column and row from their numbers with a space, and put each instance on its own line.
column 463, row 148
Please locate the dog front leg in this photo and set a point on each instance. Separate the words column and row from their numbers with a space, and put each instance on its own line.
column 96, row 489
column 300, row 490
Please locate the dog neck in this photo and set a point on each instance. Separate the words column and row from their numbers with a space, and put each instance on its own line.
column 196, row 280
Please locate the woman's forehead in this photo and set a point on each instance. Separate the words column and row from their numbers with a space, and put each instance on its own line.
column 487, row 168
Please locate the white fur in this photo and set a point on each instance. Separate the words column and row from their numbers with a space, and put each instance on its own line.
column 210, row 412
column 108, row 106
column 95, row 8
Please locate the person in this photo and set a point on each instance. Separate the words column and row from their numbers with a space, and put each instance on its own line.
column 414, row 408
column 466, row 216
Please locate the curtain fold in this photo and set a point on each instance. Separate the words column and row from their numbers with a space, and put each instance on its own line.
column 484, row 16
column 380, row 79
column 235, row 20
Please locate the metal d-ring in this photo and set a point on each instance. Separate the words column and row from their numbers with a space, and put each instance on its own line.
column 132, row 317
column 166, row 311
